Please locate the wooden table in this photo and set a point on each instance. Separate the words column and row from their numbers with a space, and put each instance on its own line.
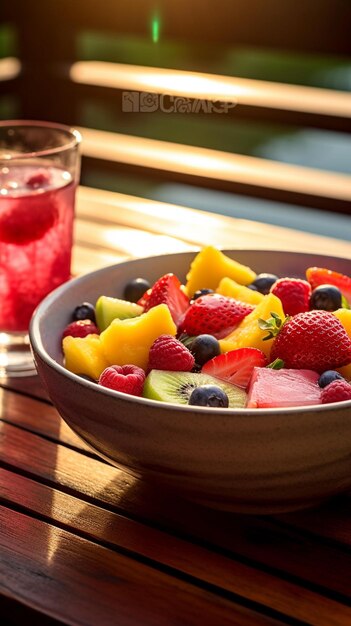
column 84, row 543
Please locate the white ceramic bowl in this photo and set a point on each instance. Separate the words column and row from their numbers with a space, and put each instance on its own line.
column 247, row 460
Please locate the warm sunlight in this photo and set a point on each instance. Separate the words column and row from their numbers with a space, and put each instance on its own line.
column 208, row 163
column 102, row 478
column 211, row 86
column 10, row 68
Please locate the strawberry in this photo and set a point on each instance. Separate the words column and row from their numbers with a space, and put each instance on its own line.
column 314, row 340
column 320, row 276
column 28, row 220
column 167, row 290
column 337, row 391
column 168, row 353
column 80, row 328
column 294, row 294
column 215, row 315
column 127, row 378
column 235, row 366
column 144, row 298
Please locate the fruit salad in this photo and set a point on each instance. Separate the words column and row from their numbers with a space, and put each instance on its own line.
column 226, row 338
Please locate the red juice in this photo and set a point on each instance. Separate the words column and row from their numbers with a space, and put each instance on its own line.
column 36, row 219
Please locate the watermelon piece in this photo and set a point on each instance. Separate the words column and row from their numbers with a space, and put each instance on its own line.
column 271, row 388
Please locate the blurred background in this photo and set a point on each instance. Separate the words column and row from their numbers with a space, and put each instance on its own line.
column 240, row 107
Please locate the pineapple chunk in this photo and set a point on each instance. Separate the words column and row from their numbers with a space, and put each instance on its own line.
column 210, row 266
column 344, row 317
column 129, row 341
column 230, row 288
column 84, row 355
column 345, row 371
column 248, row 333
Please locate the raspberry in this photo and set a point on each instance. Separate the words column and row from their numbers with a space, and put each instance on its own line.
column 127, row 378
column 336, row 391
column 294, row 294
column 168, row 353
column 80, row 328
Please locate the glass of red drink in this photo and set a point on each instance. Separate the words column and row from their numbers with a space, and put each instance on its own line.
column 39, row 172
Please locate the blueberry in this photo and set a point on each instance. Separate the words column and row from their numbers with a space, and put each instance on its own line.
column 263, row 282
column 84, row 311
column 328, row 377
column 208, row 395
column 326, row 297
column 135, row 289
column 204, row 348
column 201, row 292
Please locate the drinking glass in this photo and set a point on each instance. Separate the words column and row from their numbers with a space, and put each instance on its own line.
column 39, row 172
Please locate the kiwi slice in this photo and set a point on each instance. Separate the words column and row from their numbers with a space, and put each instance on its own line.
column 176, row 387
column 107, row 309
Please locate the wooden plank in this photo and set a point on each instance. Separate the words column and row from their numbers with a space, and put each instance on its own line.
column 79, row 582
column 39, row 418
column 213, row 87
column 189, row 559
column 224, row 170
column 87, row 258
column 329, row 521
column 260, row 114
column 197, row 227
column 26, row 386
column 13, row 613
column 258, row 541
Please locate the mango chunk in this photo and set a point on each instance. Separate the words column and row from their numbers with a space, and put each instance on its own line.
column 248, row 332
column 129, row 341
column 210, row 266
column 84, row 355
column 345, row 371
column 230, row 288
column 344, row 317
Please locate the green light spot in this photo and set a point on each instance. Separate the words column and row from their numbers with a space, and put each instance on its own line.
column 155, row 28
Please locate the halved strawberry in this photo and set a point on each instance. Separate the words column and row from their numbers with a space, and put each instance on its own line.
column 144, row 298
column 321, row 276
column 167, row 290
column 215, row 315
column 236, row 366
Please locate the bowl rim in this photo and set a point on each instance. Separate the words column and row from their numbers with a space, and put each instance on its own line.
column 37, row 347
